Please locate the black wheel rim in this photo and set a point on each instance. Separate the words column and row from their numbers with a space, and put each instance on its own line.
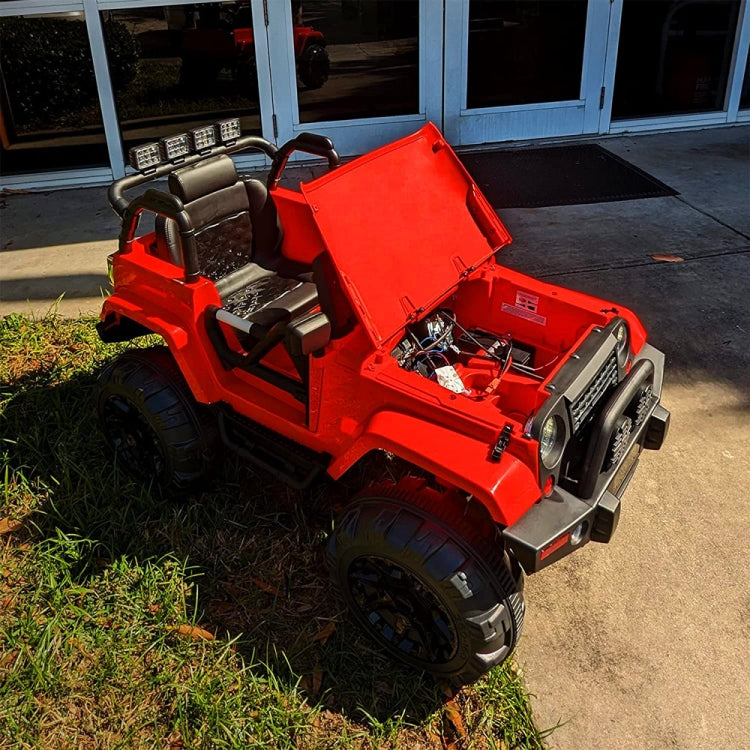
column 399, row 609
column 135, row 441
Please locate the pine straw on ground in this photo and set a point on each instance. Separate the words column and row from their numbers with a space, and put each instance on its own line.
column 129, row 620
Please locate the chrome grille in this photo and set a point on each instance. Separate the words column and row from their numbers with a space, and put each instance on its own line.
column 583, row 407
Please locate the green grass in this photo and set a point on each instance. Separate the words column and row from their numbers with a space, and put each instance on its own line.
column 101, row 581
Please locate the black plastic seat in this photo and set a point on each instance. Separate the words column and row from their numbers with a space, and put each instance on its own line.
column 238, row 241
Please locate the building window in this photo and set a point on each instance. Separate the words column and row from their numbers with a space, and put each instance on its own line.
column 673, row 57
column 525, row 52
column 49, row 107
column 194, row 64
column 356, row 59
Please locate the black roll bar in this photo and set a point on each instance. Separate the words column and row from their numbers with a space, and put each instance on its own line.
column 308, row 143
column 115, row 193
column 169, row 206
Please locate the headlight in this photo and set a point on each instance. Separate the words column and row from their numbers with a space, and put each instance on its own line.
column 203, row 139
column 229, row 130
column 621, row 334
column 145, row 156
column 174, row 147
column 551, row 441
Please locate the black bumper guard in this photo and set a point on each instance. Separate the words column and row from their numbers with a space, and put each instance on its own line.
column 564, row 521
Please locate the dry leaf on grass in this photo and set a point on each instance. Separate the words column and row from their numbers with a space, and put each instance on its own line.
column 78, row 646
column 234, row 591
column 666, row 258
column 453, row 714
column 317, row 679
column 324, row 633
column 263, row 586
column 6, row 660
column 9, row 525
column 191, row 631
column 220, row 607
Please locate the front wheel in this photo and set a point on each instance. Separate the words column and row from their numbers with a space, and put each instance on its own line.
column 424, row 574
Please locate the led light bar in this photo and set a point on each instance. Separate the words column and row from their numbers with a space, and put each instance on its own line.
column 145, row 156
column 175, row 147
column 203, row 139
column 229, row 130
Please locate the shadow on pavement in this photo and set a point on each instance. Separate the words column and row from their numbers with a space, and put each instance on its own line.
column 74, row 286
column 696, row 312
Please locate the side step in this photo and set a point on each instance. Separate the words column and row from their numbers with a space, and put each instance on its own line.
column 286, row 460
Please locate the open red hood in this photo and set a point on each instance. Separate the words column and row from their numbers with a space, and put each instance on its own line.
column 403, row 225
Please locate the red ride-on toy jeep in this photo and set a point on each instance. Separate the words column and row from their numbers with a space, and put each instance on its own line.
column 367, row 312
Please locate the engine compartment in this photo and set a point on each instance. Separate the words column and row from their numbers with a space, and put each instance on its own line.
column 469, row 360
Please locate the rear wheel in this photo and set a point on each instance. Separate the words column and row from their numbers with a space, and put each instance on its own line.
column 148, row 416
column 424, row 574
column 314, row 66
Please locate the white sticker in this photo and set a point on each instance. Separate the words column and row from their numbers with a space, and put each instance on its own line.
column 522, row 312
column 450, row 379
column 527, row 301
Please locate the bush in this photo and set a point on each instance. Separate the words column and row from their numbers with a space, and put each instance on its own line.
column 47, row 66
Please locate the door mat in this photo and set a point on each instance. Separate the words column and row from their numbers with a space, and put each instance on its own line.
column 559, row 176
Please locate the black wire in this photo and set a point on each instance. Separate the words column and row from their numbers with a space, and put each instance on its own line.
column 428, row 353
column 507, row 339
column 536, row 369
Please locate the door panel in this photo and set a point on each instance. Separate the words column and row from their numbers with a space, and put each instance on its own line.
column 521, row 70
column 358, row 71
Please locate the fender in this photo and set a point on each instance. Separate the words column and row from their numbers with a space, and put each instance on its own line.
column 119, row 313
column 507, row 488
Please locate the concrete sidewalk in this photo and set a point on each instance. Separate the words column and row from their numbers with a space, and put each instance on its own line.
column 643, row 643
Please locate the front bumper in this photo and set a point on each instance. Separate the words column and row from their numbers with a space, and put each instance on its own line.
column 564, row 521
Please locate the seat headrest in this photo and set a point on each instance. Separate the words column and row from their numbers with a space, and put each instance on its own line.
column 197, row 180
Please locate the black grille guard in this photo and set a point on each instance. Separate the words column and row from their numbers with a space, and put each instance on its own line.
column 566, row 520
column 642, row 374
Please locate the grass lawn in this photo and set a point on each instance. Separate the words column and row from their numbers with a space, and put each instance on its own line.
column 128, row 620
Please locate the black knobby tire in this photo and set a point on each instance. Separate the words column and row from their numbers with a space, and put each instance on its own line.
column 159, row 433
column 314, row 66
column 424, row 574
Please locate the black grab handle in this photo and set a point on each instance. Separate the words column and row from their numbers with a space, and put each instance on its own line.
column 308, row 143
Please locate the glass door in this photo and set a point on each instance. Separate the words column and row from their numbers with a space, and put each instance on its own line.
column 179, row 65
column 676, row 64
column 50, row 119
column 522, row 69
column 674, row 57
column 362, row 72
